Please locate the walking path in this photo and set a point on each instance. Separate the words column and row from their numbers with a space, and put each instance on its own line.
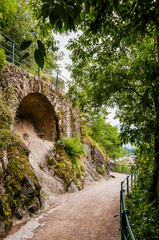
column 90, row 214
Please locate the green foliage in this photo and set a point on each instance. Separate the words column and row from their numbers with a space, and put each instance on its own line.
column 129, row 151
column 39, row 58
column 61, row 14
column 101, row 171
column 18, row 21
column 41, row 48
column 74, row 149
column 24, row 45
column 72, row 146
column 120, row 168
column 103, row 133
column 62, row 167
column 3, row 62
column 7, row 12
column 78, row 167
column 143, row 215
column 118, row 66
column 68, row 163
column 143, row 212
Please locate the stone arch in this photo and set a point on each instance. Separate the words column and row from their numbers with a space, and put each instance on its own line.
column 36, row 108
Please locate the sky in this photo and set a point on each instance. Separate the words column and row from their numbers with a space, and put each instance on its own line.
column 63, row 40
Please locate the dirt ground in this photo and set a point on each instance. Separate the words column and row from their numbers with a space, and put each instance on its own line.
column 86, row 215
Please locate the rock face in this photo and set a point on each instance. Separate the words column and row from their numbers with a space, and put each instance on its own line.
column 38, row 150
column 34, row 114
column 96, row 161
column 19, row 187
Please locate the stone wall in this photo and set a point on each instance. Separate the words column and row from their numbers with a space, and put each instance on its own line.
column 40, row 102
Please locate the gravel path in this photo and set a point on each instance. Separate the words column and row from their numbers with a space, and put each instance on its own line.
column 85, row 215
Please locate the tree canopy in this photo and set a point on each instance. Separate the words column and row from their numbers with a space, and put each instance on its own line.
column 116, row 62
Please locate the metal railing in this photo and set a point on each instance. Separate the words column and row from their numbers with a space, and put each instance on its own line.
column 115, row 167
column 15, row 56
column 125, row 228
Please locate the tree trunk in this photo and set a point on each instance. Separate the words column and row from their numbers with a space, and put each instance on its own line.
column 156, row 147
column 156, row 164
column 156, row 171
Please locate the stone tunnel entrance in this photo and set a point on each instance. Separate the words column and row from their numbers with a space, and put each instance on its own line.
column 37, row 109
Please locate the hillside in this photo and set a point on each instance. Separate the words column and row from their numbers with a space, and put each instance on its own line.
column 33, row 169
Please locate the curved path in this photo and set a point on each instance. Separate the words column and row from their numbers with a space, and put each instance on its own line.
column 86, row 215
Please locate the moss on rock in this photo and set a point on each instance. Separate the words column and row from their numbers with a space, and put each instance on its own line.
column 68, row 168
column 19, row 187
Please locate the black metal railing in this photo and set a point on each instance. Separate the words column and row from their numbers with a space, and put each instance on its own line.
column 120, row 168
column 125, row 228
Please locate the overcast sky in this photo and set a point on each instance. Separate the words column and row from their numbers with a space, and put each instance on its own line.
column 63, row 40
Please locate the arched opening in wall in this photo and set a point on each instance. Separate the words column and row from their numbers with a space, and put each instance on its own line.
column 38, row 110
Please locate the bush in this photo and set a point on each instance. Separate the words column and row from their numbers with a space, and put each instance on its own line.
column 3, row 62
column 143, row 214
column 72, row 146
column 70, row 162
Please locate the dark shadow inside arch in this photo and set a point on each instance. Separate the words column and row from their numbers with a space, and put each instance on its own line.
column 37, row 109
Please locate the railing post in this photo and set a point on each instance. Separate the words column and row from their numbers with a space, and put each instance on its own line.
column 122, row 213
column 127, row 180
column 134, row 176
column 131, row 178
column 124, row 231
column 121, row 210
column 125, row 227
column 13, row 46
column 39, row 72
column 57, row 79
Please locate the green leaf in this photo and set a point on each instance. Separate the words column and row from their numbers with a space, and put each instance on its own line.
column 24, row 56
column 24, row 45
column 63, row 15
column 70, row 11
column 39, row 58
column 41, row 47
column 53, row 18
column 59, row 25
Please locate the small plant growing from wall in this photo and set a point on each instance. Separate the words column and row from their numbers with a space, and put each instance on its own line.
column 74, row 149
column 68, row 162
column 72, row 146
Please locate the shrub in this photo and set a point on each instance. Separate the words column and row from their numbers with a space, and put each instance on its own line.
column 72, row 146
column 69, row 163
column 3, row 62
column 143, row 214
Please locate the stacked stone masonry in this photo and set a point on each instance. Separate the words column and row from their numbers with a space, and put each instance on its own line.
column 42, row 103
